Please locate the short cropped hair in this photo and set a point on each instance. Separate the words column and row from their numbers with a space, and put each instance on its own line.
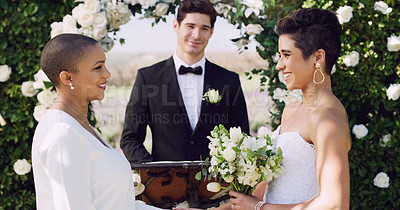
column 313, row 29
column 197, row 6
column 63, row 53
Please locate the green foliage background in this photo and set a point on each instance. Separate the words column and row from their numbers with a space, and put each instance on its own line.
column 25, row 28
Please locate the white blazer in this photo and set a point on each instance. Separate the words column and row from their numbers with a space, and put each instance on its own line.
column 72, row 169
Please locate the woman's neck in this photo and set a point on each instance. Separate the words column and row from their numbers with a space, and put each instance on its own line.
column 76, row 108
column 315, row 94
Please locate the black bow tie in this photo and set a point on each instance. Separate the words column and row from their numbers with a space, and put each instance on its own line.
column 184, row 70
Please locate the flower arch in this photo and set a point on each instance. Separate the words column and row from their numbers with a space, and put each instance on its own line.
column 101, row 20
column 366, row 77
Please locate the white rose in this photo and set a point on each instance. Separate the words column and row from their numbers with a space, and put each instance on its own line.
column 229, row 154
column 118, row 14
column 161, row 9
column 393, row 92
column 253, row 29
column 352, row 59
column 2, row 121
column 344, row 14
column 360, row 131
column 381, row 180
column 382, row 7
column 148, row 3
column 46, row 98
column 276, row 57
column 99, row 33
column 279, row 94
column 213, row 96
column 5, row 72
column 393, row 43
column 100, row 20
column 87, row 31
column 92, row 6
column 38, row 112
column 69, row 25
column 136, row 178
column 213, row 187
column 293, row 97
column 235, row 134
column 40, row 77
column 385, row 139
column 263, row 132
column 86, row 20
column 22, row 167
column 27, row 89
column 78, row 11
column 69, row 21
column 56, row 29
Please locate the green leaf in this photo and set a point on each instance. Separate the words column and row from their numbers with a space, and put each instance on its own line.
column 3, row 4
column 198, row 176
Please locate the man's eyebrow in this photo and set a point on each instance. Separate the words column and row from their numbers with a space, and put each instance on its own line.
column 283, row 50
column 192, row 24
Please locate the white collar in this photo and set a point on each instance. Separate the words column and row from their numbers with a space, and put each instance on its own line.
column 179, row 62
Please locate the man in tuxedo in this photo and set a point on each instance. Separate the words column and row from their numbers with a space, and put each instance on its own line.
column 167, row 96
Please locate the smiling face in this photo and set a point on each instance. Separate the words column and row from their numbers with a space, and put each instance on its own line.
column 193, row 34
column 297, row 71
column 91, row 78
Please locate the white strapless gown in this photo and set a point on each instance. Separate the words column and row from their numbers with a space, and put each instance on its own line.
column 298, row 182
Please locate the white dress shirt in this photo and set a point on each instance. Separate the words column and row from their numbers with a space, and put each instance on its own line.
column 191, row 87
column 72, row 169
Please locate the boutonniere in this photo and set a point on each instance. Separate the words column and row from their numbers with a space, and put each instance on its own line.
column 212, row 96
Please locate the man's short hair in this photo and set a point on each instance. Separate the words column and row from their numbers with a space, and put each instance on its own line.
column 197, row 6
column 63, row 53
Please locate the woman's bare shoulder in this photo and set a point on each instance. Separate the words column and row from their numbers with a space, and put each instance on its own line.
column 329, row 123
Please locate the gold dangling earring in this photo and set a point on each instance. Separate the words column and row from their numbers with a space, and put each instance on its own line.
column 72, row 86
column 319, row 69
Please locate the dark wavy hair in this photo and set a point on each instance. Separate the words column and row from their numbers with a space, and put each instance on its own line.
column 63, row 53
column 196, row 6
column 313, row 29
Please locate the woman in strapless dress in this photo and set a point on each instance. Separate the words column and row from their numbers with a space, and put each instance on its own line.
column 314, row 135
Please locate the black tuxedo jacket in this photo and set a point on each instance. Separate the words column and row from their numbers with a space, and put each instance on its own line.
column 156, row 101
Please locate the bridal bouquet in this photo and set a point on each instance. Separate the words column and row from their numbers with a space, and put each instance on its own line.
column 242, row 160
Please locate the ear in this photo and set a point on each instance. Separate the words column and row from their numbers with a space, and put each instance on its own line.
column 176, row 25
column 320, row 56
column 65, row 77
column 212, row 31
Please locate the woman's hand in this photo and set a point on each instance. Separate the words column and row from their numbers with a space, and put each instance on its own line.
column 242, row 201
